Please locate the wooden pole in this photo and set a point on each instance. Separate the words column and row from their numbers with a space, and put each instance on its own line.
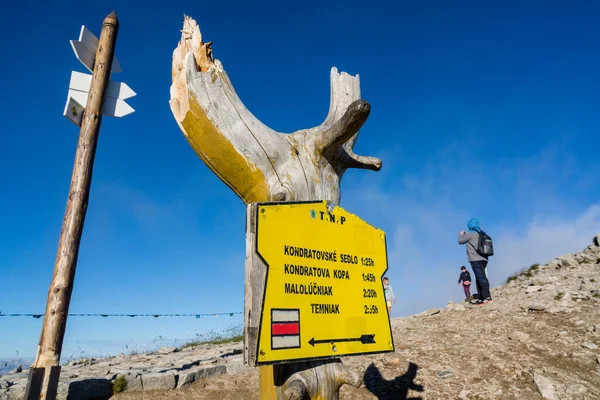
column 61, row 287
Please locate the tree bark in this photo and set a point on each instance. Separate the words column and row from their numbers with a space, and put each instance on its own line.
column 260, row 164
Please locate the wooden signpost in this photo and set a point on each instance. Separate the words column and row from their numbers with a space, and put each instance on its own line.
column 262, row 165
column 44, row 374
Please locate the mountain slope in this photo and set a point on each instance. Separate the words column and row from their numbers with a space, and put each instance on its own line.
column 540, row 338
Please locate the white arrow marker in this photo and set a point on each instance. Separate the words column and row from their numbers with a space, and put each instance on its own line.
column 112, row 107
column 117, row 90
column 85, row 50
column 114, row 104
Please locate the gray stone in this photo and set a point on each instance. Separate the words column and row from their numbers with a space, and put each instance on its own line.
column 237, row 368
column 186, row 378
column 576, row 390
column 519, row 336
column 537, row 306
column 166, row 350
column 207, row 372
column 589, row 345
column 445, row 374
column 552, row 309
column 568, row 260
column 459, row 307
column 161, row 380
column 89, row 389
column 544, row 387
column 532, row 289
column 134, row 383
column 554, row 264
column 186, row 363
column 16, row 392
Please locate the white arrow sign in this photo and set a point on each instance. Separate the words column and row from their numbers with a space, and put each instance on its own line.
column 85, row 50
column 83, row 82
column 112, row 107
column 114, row 104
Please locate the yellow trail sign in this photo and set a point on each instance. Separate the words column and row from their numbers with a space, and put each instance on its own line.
column 313, row 284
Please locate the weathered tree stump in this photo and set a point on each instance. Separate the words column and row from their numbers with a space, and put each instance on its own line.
column 260, row 164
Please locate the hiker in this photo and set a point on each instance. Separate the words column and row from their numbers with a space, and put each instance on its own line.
column 389, row 294
column 477, row 260
column 465, row 279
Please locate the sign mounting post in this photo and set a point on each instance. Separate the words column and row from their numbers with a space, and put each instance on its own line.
column 44, row 374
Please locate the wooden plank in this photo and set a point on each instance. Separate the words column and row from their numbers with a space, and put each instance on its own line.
column 255, row 279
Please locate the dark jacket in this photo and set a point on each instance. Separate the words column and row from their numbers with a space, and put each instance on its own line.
column 464, row 276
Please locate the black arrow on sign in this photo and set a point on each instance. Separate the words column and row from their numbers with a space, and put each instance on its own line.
column 364, row 339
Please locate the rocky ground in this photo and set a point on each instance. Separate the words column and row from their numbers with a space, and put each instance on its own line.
column 539, row 339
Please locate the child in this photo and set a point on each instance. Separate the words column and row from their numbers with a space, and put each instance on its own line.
column 389, row 294
column 465, row 278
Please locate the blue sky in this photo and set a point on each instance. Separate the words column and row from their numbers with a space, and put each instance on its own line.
column 477, row 109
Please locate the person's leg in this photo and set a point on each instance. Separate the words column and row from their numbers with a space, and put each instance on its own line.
column 476, row 266
column 485, row 284
column 468, row 291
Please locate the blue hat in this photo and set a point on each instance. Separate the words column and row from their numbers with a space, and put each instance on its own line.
column 473, row 224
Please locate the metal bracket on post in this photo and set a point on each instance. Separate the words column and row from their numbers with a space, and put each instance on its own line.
column 34, row 383
column 37, row 376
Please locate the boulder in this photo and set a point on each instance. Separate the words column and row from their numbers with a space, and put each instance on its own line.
column 90, row 389
column 554, row 264
column 544, row 387
column 207, row 372
column 576, row 390
column 519, row 336
column 589, row 345
column 166, row 350
column 568, row 260
column 134, row 383
column 239, row 367
column 161, row 380
column 445, row 374
column 186, row 378
column 552, row 309
column 543, row 280
column 535, row 306
column 533, row 289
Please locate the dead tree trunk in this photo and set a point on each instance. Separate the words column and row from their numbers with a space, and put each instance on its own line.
column 260, row 164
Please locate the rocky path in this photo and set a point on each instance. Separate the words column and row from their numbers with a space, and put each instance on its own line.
column 540, row 338
column 166, row 369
